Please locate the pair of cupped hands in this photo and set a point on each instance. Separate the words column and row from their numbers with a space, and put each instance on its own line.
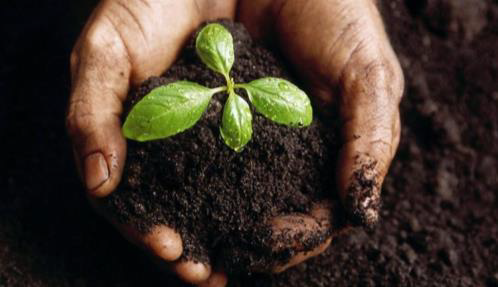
column 339, row 48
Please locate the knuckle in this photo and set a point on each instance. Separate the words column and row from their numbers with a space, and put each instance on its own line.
column 103, row 43
column 396, row 79
column 98, row 48
column 78, row 118
column 383, row 76
column 98, row 37
column 94, row 40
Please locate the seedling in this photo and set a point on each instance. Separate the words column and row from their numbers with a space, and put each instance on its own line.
column 173, row 108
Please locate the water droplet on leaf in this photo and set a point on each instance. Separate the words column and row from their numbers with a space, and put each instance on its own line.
column 283, row 86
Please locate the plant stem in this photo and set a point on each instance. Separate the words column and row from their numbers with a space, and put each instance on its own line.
column 230, row 84
column 219, row 89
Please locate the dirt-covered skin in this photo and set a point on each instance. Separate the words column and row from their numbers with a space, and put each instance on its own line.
column 439, row 220
column 220, row 200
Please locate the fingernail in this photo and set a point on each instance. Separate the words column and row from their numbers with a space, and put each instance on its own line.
column 165, row 243
column 96, row 171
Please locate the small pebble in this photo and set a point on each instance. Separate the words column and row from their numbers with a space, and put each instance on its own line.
column 414, row 224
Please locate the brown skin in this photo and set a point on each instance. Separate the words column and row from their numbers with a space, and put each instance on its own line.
column 339, row 47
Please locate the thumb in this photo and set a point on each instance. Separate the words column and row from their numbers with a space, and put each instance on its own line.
column 370, row 130
column 100, row 79
column 122, row 42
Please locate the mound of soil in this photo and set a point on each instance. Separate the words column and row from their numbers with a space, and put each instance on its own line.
column 217, row 199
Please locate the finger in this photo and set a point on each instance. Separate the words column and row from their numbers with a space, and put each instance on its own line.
column 102, row 63
column 287, row 240
column 161, row 241
column 188, row 271
column 303, row 256
column 306, row 235
column 192, row 272
column 371, row 91
column 123, row 42
column 294, row 229
column 217, row 279
column 164, row 246
column 93, row 115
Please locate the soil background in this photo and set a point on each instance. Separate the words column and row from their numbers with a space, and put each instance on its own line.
column 439, row 223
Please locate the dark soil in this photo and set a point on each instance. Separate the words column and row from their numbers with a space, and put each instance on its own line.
column 217, row 199
column 439, row 220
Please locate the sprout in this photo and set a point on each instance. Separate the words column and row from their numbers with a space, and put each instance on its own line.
column 173, row 108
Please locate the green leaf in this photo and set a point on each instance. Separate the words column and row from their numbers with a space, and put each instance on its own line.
column 214, row 45
column 280, row 101
column 236, row 124
column 167, row 110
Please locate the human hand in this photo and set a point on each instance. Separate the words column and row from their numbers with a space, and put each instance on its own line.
column 123, row 43
column 341, row 51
